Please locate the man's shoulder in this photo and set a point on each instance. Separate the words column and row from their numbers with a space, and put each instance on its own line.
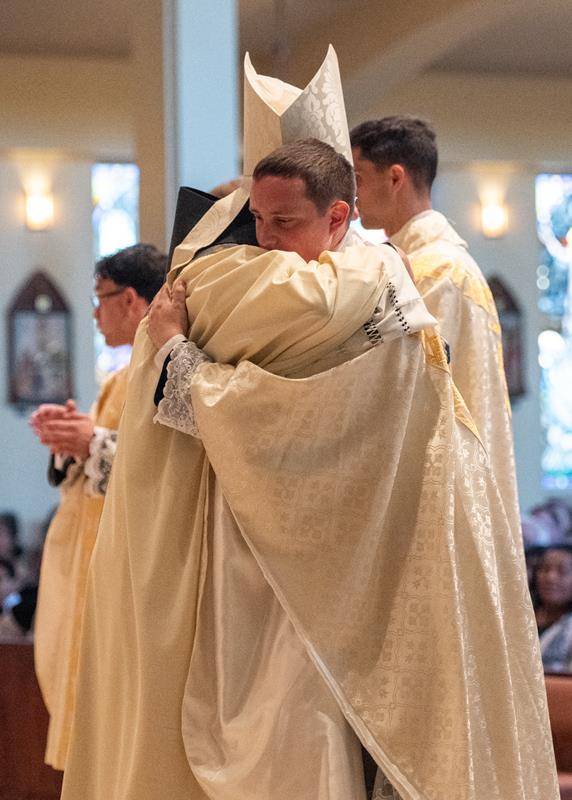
column 115, row 378
column 435, row 248
column 214, row 261
column 447, row 265
column 113, row 385
column 444, row 258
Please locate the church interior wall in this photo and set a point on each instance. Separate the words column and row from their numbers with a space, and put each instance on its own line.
column 514, row 259
column 76, row 105
column 482, row 117
column 65, row 254
column 59, row 115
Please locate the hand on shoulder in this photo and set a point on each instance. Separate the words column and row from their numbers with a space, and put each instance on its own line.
column 168, row 314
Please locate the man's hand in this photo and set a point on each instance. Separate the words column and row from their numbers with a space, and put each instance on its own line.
column 69, row 435
column 168, row 314
column 50, row 411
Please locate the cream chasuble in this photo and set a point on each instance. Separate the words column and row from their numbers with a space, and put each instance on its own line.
column 389, row 549
column 332, row 561
column 457, row 294
column 65, row 560
column 128, row 740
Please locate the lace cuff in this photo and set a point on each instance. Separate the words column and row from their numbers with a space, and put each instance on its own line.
column 100, row 460
column 165, row 351
column 175, row 409
column 383, row 790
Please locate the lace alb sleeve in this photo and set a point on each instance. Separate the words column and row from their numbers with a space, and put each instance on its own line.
column 175, row 409
column 97, row 467
column 383, row 789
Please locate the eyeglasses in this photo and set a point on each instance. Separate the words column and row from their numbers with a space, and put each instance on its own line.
column 97, row 298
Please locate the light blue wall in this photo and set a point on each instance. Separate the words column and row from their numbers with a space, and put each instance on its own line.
column 65, row 253
column 514, row 259
column 207, row 92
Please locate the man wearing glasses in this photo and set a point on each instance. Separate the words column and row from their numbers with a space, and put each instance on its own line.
column 83, row 448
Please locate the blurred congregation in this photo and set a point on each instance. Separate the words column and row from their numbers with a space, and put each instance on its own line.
column 107, row 109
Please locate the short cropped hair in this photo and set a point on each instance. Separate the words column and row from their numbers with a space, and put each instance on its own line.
column 408, row 141
column 141, row 266
column 328, row 176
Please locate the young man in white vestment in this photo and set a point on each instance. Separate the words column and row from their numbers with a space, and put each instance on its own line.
column 125, row 284
column 302, row 542
column 396, row 163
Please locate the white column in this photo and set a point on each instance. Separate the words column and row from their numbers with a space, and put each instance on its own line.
column 207, row 92
column 185, row 103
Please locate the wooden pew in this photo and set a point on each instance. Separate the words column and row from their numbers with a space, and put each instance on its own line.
column 23, row 730
column 24, row 725
column 559, row 694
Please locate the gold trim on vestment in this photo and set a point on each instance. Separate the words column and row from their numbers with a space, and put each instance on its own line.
column 436, row 357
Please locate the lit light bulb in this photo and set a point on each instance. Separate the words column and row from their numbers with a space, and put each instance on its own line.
column 39, row 212
column 494, row 219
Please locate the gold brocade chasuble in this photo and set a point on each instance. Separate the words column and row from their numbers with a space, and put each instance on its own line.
column 65, row 560
column 359, row 498
column 457, row 294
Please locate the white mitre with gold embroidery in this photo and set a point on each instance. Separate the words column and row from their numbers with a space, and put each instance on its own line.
column 275, row 113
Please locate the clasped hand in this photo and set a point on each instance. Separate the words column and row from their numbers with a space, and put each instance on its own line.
column 168, row 314
column 64, row 429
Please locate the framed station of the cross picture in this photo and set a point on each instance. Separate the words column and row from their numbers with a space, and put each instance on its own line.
column 39, row 344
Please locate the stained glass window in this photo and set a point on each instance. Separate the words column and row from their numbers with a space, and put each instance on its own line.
column 554, row 221
column 115, row 219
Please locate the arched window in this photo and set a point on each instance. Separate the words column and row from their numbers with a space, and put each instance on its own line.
column 115, row 197
column 554, row 281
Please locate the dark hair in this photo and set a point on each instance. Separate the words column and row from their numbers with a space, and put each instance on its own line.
column 10, row 522
column 560, row 546
column 558, row 510
column 399, row 140
column 328, row 176
column 141, row 266
column 8, row 566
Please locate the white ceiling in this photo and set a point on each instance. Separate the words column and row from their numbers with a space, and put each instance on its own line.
column 540, row 44
column 66, row 27
column 265, row 23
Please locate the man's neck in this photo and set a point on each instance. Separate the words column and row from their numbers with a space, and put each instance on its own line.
column 416, row 205
column 131, row 329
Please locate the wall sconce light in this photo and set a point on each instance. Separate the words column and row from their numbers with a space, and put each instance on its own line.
column 494, row 219
column 39, row 211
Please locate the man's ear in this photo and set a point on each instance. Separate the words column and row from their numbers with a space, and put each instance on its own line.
column 130, row 296
column 339, row 216
column 397, row 175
